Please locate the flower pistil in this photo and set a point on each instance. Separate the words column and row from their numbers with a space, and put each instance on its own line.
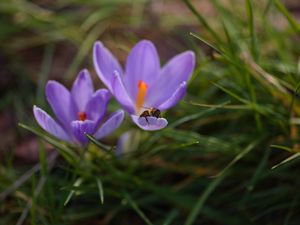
column 142, row 91
column 82, row 116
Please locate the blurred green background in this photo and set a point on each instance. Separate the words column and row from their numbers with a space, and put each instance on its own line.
column 230, row 152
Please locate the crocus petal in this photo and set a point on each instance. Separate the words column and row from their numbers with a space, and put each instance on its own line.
column 79, row 128
column 121, row 94
column 82, row 89
column 122, row 143
column 111, row 124
column 177, row 70
column 142, row 65
column 151, row 123
column 105, row 64
column 61, row 103
column 49, row 124
column 176, row 97
column 97, row 105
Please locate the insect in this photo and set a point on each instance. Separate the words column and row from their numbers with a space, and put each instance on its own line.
column 150, row 112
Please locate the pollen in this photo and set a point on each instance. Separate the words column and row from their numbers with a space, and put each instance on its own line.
column 82, row 116
column 141, row 94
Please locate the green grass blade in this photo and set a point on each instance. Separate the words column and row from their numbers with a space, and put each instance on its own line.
column 202, row 20
column 202, row 199
column 254, row 50
column 196, row 115
column 267, row 8
column 44, row 72
column 232, row 94
column 137, row 209
column 254, row 47
column 206, row 42
column 239, row 156
column 292, row 157
column 292, row 21
column 97, row 143
column 259, row 170
column 170, row 217
column 282, row 148
column 84, row 50
column 101, row 191
column 67, row 153
column 72, row 192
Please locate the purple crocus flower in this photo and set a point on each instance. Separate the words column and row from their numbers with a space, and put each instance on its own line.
column 78, row 112
column 144, row 85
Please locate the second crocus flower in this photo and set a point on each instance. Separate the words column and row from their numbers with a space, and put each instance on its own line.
column 144, row 85
column 78, row 111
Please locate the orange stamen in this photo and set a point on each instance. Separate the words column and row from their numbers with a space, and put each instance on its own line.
column 82, row 116
column 142, row 91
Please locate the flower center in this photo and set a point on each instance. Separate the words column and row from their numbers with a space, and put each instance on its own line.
column 140, row 99
column 82, row 116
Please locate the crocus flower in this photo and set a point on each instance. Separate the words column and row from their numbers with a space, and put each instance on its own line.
column 144, row 85
column 78, row 111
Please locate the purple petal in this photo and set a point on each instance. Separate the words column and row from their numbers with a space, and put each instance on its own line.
column 82, row 89
column 177, row 70
column 105, row 64
column 176, row 97
column 49, row 124
column 121, row 94
column 61, row 103
column 123, row 143
column 142, row 64
column 97, row 105
column 151, row 124
column 111, row 124
column 79, row 128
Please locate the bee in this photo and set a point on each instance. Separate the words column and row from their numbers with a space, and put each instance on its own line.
column 151, row 112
